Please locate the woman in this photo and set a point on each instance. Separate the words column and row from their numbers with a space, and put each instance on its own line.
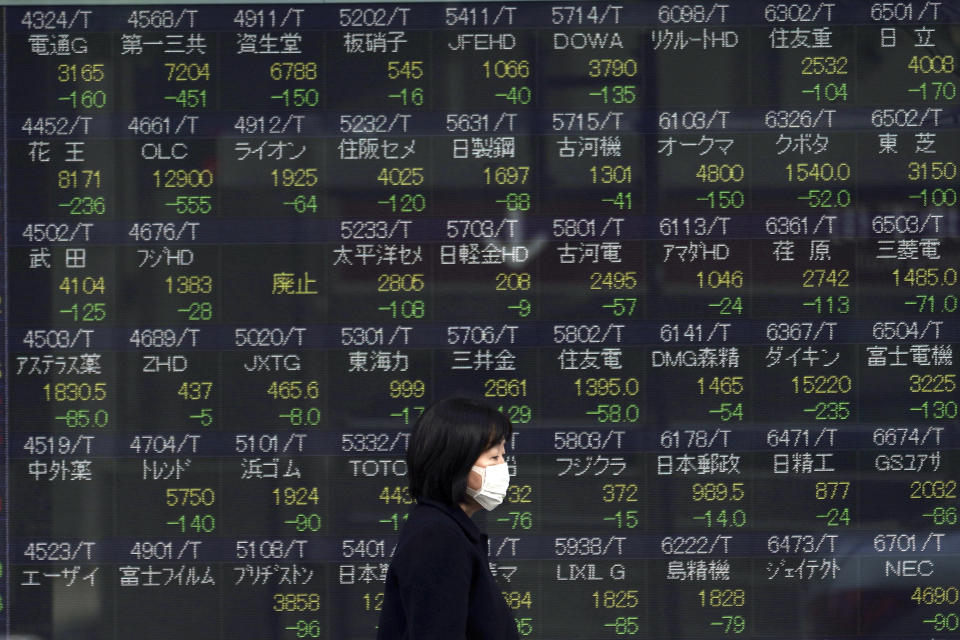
column 439, row 585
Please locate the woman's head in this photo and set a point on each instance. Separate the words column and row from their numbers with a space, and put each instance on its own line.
column 446, row 442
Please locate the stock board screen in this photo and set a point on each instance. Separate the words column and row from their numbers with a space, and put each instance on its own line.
column 704, row 256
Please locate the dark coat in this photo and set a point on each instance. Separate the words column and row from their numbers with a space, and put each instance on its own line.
column 439, row 585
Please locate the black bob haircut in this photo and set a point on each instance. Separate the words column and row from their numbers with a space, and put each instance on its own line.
column 445, row 442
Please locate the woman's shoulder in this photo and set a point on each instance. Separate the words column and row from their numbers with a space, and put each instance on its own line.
column 431, row 535
column 433, row 523
column 429, row 515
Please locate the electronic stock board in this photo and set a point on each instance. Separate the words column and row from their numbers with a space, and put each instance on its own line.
column 703, row 255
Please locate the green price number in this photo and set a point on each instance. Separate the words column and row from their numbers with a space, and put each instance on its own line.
column 730, row 624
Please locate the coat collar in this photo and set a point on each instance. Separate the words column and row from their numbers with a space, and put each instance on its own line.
column 460, row 517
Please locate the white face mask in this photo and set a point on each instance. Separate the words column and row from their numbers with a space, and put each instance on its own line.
column 493, row 488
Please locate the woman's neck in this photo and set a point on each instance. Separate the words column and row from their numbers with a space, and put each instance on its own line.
column 470, row 507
